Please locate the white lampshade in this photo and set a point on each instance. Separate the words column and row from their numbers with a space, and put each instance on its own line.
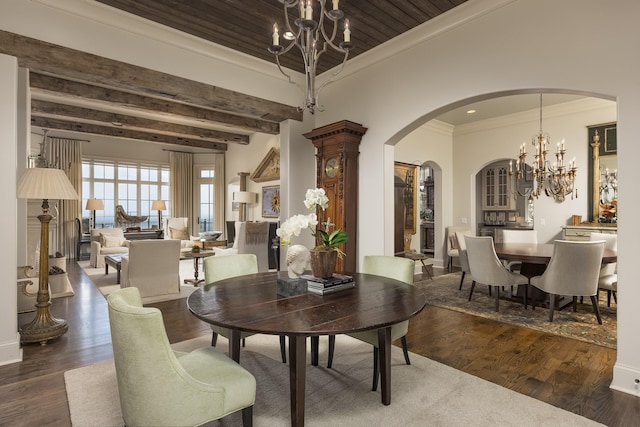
column 94, row 205
column 244, row 197
column 45, row 183
column 158, row 205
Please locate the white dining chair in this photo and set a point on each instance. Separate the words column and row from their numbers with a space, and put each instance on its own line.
column 453, row 250
column 463, row 256
column 487, row 269
column 573, row 270
column 608, row 278
column 518, row 236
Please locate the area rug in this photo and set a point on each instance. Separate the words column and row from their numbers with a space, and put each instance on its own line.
column 106, row 283
column 423, row 393
column 582, row 325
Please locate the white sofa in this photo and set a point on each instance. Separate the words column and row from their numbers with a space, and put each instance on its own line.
column 152, row 266
column 106, row 241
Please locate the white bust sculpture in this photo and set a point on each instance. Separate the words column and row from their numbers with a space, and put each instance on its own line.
column 298, row 258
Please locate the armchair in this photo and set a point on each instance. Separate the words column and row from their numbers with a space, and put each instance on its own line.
column 152, row 266
column 452, row 243
column 608, row 279
column 573, row 270
column 251, row 238
column 106, row 241
column 464, row 257
column 397, row 268
column 487, row 269
column 178, row 229
column 161, row 387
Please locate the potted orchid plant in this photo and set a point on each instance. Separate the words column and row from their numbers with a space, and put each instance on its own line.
column 330, row 242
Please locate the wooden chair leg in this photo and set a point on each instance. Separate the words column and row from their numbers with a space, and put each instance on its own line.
column 461, row 280
column 552, row 306
column 214, row 339
column 526, row 295
column 376, row 369
column 596, row 310
column 283, row 349
column 315, row 340
column 615, row 297
column 244, row 342
column 450, row 264
column 405, row 349
column 332, row 347
column 473, row 285
column 247, row 416
column 575, row 304
column 497, row 291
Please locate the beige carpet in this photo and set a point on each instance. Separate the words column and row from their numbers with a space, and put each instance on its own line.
column 582, row 325
column 424, row 393
column 106, row 283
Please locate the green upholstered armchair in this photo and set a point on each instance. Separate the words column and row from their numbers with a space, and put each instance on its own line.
column 218, row 268
column 397, row 268
column 162, row 387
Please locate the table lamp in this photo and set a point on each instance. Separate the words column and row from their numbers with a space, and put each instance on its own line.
column 45, row 184
column 244, row 197
column 94, row 205
column 159, row 205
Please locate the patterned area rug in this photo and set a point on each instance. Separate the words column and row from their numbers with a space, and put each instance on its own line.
column 582, row 325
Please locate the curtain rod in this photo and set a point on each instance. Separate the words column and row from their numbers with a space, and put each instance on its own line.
column 72, row 139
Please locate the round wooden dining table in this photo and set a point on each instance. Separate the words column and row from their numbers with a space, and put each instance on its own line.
column 250, row 304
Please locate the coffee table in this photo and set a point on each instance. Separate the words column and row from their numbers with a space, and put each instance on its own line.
column 250, row 303
column 114, row 261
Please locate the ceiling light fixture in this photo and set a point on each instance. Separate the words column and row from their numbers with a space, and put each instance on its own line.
column 555, row 180
column 310, row 36
column 471, row 111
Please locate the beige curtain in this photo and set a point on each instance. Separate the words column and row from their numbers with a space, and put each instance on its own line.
column 219, row 193
column 66, row 154
column 181, row 186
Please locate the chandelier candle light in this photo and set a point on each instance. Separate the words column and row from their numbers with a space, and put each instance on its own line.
column 556, row 180
column 310, row 37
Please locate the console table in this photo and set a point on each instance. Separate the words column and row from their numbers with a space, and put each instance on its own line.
column 583, row 232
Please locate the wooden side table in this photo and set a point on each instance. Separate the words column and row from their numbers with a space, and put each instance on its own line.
column 196, row 256
column 427, row 267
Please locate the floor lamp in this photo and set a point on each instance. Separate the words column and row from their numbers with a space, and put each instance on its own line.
column 44, row 184
column 94, row 205
column 159, row 205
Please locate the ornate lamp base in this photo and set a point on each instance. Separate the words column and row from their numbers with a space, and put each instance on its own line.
column 43, row 327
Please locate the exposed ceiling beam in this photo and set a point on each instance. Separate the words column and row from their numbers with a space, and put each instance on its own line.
column 73, row 64
column 75, row 114
column 50, row 123
column 67, row 91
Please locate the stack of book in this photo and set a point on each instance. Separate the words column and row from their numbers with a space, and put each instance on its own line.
column 321, row 286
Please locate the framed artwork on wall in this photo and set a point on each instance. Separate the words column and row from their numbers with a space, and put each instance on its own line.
column 409, row 175
column 271, row 201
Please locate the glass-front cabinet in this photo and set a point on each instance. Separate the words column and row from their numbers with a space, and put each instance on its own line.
column 497, row 192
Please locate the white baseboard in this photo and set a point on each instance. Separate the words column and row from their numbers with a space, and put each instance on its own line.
column 626, row 379
column 11, row 352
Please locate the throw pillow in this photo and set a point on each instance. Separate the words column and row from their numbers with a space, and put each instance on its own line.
column 453, row 241
column 179, row 233
column 111, row 241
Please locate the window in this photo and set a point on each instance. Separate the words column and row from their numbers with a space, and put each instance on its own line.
column 205, row 202
column 134, row 186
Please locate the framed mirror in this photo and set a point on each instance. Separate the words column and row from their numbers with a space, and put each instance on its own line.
column 603, row 173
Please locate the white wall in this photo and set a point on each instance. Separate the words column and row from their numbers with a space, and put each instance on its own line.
column 495, row 54
column 9, row 338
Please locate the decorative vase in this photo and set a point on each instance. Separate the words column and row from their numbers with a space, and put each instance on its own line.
column 323, row 262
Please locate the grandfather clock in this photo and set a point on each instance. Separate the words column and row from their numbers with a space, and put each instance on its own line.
column 337, row 172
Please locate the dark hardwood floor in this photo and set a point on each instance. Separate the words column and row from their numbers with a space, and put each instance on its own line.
column 566, row 373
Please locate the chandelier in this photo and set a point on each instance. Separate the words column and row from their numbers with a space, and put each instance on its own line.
column 555, row 180
column 310, row 37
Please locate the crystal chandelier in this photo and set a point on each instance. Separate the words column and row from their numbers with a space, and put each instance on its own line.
column 311, row 38
column 555, row 180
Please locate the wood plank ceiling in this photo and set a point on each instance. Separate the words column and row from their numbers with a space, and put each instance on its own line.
column 80, row 92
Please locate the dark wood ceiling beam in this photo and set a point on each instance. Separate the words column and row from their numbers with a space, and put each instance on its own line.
column 72, row 126
column 54, row 110
column 73, row 64
column 110, row 98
